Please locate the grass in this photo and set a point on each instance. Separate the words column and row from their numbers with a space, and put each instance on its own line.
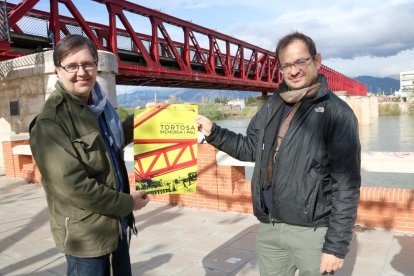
column 389, row 109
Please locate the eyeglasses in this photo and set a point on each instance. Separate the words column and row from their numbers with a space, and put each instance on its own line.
column 300, row 64
column 73, row 67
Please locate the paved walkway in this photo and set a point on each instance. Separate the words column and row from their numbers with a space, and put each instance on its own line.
column 175, row 241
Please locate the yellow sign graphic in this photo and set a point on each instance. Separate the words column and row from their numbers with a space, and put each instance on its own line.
column 165, row 149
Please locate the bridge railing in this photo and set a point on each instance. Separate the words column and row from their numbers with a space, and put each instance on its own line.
column 176, row 53
column 142, row 56
column 4, row 21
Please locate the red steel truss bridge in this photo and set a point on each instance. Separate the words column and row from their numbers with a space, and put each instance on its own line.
column 160, row 51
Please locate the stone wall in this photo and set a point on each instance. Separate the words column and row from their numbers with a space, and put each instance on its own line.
column 29, row 80
column 365, row 108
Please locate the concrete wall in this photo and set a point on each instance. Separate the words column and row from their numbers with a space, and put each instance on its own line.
column 365, row 108
column 29, row 80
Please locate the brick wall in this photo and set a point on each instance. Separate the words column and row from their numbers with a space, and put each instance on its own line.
column 223, row 188
column 379, row 207
column 386, row 208
column 20, row 166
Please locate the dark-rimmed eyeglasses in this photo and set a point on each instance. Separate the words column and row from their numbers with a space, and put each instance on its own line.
column 300, row 64
column 73, row 67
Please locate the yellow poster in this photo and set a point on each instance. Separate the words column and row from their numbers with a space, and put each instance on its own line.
column 165, row 149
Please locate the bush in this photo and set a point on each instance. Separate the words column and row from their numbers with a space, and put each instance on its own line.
column 122, row 113
column 250, row 111
column 251, row 101
column 388, row 109
column 211, row 111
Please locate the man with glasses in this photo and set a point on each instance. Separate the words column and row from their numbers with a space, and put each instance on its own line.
column 305, row 184
column 78, row 144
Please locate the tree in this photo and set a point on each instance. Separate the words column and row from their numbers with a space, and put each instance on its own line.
column 221, row 99
column 211, row 111
column 122, row 113
column 251, row 101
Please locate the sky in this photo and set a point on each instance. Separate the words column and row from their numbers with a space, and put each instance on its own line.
column 369, row 37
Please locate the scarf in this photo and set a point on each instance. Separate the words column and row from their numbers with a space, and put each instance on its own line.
column 294, row 96
column 99, row 105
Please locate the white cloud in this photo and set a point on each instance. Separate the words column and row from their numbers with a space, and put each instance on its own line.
column 374, row 38
column 355, row 37
column 373, row 66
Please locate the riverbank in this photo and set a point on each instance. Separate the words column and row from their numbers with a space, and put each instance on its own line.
column 395, row 108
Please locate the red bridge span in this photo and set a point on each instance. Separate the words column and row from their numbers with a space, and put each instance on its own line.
column 153, row 48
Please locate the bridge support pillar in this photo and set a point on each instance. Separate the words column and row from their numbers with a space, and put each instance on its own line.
column 364, row 107
column 260, row 100
column 26, row 82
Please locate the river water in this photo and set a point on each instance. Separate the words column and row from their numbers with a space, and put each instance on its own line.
column 388, row 134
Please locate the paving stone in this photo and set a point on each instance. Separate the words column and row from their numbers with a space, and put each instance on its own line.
column 227, row 259
column 176, row 241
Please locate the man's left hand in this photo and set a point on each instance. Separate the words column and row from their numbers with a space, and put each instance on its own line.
column 330, row 263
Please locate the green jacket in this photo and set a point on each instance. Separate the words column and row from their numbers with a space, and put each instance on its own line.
column 78, row 177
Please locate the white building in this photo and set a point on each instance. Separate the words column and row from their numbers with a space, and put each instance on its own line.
column 407, row 83
column 236, row 104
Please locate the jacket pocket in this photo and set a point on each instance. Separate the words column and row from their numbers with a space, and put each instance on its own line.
column 314, row 181
column 323, row 204
column 66, row 231
column 311, row 204
column 92, row 153
column 75, row 226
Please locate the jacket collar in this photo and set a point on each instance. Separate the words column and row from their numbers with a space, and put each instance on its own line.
column 276, row 102
column 322, row 91
column 61, row 90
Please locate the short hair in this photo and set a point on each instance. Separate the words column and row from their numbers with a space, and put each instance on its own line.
column 286, row 40
column 70, row 43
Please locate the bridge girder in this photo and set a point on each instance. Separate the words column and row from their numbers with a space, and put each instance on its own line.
column 157, row 59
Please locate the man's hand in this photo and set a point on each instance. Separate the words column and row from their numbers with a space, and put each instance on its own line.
column 330, row 263
column 204, row 125
column 140, row 199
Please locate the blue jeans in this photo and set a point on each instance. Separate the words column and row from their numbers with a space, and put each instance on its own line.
column 100, row 266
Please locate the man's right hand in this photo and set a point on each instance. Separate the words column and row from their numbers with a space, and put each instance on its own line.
column 140, row 199
column 204, row 125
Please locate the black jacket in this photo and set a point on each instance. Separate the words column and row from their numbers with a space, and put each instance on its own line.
column 317, row 174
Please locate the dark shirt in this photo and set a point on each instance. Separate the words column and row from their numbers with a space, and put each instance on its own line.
column 269, row 147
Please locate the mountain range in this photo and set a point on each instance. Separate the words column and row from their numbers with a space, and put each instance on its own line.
column 140, row 97
column 375, row 85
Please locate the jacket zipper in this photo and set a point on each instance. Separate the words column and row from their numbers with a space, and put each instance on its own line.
column 272, row 220
column 66, row 230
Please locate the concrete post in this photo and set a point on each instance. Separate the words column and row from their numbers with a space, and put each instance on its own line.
column 260, row 100
column 26, row 82
column 365, row 108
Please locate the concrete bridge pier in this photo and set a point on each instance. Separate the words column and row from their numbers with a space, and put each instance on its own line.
column 26, row 82
column 364, row 107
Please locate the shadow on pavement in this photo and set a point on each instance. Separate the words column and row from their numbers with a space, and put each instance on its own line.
column 233, row 256
column 403, row 262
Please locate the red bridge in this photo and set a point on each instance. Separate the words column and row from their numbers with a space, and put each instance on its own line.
column 203, row 58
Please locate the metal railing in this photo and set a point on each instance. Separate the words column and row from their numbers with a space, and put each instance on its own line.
column 4, row 21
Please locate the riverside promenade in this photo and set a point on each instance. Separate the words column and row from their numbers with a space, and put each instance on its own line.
column 173, row 240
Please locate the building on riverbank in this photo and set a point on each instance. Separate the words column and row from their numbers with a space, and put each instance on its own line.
column 407, row 85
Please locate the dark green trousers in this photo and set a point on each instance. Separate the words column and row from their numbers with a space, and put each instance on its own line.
column 282, row 249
